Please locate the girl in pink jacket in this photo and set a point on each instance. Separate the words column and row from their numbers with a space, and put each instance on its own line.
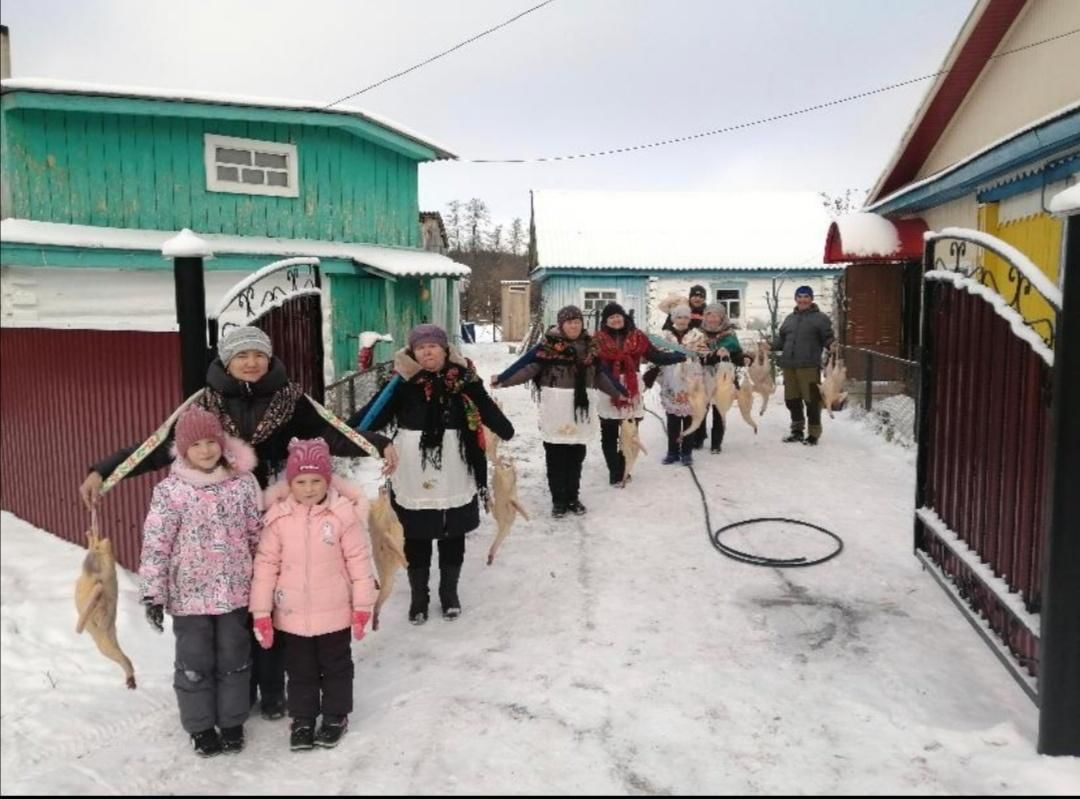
column 313, row 573
column 198, row 540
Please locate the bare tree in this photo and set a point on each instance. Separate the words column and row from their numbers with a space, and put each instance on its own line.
column 495, row 239
column 517, row 236
column 848, row 202
column 476, row 219
column 453, row 224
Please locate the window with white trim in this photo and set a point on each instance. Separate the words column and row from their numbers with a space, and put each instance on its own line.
column 731, row 299
column 249, row 166
column 594, row 300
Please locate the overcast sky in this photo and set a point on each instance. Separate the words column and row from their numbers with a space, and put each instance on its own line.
column 575, row 76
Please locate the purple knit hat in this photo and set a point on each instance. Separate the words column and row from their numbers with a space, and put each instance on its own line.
column 428, row 334
column 195, row 424
column 308, row 456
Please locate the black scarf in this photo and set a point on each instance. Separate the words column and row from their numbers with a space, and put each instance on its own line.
column 556, row 349
column 442, row 390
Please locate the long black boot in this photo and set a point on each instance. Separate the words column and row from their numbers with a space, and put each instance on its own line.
column 418, row 582
column 448, row 583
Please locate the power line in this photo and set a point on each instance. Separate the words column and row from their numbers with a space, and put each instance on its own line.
column 742, row 125
column 440, row 55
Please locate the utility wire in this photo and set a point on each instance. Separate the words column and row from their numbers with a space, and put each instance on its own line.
column 440, row 55
column 753, row 123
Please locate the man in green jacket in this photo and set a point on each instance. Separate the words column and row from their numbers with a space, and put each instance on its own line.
column 803, row 336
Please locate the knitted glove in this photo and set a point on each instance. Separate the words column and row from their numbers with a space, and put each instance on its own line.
column 650, row 376
column 359, row 621
column 264, row 632
column 155, row 615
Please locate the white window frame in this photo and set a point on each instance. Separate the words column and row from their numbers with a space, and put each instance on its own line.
column 727, row 303
column 615, row 291
column 212, row 141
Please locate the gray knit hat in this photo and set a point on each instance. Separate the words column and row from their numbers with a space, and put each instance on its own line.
column 681, row 309
column 243, row 338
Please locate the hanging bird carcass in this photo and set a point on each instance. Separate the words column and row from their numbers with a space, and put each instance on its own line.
column 630, row 445
column 833, row 396
column 504, row 503
column 699, row 404
column 761, row 376
column 388, row 547
column 95, row 599
column 745, row 398
column 723, row 396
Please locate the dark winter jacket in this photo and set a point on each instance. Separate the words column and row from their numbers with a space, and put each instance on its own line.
column 246, row 404
column 408, row 407
column 556, row 374
column 802, row 337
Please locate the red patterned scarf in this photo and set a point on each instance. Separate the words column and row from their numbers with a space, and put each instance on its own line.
column 623, row 358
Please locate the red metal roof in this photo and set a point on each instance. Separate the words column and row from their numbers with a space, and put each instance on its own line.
column 908, row 231
column 974, row 54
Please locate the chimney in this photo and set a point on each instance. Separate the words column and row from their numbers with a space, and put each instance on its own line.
column 5, row 53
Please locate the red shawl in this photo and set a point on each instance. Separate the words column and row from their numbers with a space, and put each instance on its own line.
column 625, row 358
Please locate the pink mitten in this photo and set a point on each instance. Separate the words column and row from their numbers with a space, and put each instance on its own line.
column 359, row 621
column 264, row 632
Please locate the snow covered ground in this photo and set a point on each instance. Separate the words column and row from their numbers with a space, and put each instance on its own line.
column 614, row 653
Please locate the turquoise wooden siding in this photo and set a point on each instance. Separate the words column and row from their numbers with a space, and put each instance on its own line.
column 359, row 304
column 148, row 172
column 560, row 290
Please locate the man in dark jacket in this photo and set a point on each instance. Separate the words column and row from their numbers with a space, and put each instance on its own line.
column 803, row 336
column 698, row 301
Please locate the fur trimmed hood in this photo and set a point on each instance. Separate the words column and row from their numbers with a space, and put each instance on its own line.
column 343, row 498
column 239, row 457
column 406, row 366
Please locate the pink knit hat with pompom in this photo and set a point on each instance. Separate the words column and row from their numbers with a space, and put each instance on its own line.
column 195, row 424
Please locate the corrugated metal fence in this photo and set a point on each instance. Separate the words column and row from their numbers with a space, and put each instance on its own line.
column 69, row 398
column 984, row 471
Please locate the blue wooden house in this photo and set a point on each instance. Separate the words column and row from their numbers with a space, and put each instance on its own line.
column 637, row 248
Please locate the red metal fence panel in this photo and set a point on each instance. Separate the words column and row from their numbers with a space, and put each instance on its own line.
column 70, row 397
column 987, row 425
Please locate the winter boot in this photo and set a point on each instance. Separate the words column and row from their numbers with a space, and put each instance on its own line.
column 232, row 739
column 272, row 708
column 448, row 582
column 331, row 730
column 810, row 440
column 418, row 607
column 206, row 743
column 670, row 458
column 794, row 437
column 576, row 507
column 302, row 735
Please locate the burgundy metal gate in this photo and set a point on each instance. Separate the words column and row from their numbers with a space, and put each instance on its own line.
column 284, row 299
column 984, row 420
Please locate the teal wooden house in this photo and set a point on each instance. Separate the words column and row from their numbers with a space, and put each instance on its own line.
column 96, row 180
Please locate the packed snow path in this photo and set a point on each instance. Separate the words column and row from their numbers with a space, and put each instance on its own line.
column 611, row 653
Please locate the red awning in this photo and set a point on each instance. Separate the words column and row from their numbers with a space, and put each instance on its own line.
column 861, row 237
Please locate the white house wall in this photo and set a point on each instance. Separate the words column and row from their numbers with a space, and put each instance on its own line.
column 754, row 288
column 1018, row 88
column 97, row 299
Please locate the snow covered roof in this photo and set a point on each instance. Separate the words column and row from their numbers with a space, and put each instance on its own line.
column 1066, row 202
column 396, row 261
column 51, row 86
column 678, row 230
column 870, row 237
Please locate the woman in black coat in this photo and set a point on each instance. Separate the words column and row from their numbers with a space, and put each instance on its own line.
column 438, row 404
column 249, row 391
